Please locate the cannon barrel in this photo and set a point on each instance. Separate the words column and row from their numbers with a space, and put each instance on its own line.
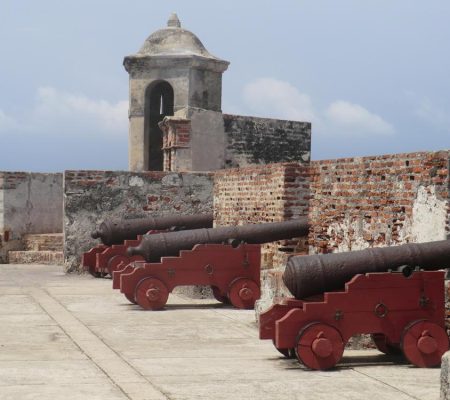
column 306, row 276
column 153, row 247
column 115, row 231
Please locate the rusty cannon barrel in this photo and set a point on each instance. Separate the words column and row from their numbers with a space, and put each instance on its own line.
column 115, row 231
column 153, row 247
column 306, row 276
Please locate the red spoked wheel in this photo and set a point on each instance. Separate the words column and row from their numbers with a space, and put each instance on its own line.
column 243, row 293
column 222, row 298
column 423, row 343
column 384, row 345
column 151, row 294
column 319, row 346
column 117, row 262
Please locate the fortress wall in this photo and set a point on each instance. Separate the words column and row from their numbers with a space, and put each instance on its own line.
column 269, row 193
column 29, row 203
column 258, row 141
column 352, row 203
column 379, row 201
column 275, row 192
column 92, row 196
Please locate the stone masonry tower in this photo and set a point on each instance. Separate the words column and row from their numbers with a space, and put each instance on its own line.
column 171, row 74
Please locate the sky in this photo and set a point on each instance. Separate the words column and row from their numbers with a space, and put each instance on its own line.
column 372, row 76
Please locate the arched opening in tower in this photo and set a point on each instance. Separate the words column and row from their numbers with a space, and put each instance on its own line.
column 158, row 104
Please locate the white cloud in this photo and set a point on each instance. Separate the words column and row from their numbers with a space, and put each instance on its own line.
column 59, row 113
column 357, row 119
column 278, row 99
column 54, row 107
column 270, row 97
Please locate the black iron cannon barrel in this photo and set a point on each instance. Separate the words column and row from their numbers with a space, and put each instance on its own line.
column 306, row 276
column 115, row 231
column 153, row 247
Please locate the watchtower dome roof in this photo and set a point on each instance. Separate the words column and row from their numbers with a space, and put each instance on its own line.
column 173, row 40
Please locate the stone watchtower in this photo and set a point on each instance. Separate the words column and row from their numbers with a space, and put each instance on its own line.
column 171, row 74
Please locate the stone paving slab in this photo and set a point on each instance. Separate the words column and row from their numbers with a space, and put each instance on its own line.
column 73, row 337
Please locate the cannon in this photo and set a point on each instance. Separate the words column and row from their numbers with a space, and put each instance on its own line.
column 153, row 247
column 396, row 294
column 226, row 258
column 115, row 231
column 118, row 235
column 309, row 275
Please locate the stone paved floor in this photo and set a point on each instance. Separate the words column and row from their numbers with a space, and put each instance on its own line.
column 73, row 337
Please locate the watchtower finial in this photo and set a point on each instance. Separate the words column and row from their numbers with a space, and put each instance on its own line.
column 173, row 21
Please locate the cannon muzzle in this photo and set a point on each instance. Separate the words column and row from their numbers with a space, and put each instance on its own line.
column 155, row 246
column 115, row 231
column 306, row 276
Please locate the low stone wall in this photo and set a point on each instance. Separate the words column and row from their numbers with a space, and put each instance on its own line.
column 92, row 196
column 29, row 203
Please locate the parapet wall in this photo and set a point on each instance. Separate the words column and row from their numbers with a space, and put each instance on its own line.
column 29, row 203
column 352, row 203
column 275, row 192
column 92, row 196
column 379, row 201
column 252, row 140
column 270, row 193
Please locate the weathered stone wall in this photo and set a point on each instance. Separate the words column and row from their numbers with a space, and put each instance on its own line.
column 92, row 196
column 379, row 201
column 29, row 203
column 204, row 140
column 251, row 140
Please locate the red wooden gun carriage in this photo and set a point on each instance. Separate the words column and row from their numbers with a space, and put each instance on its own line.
column 344, row 294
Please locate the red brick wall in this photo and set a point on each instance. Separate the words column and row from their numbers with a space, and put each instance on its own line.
column 378, row 201
column 274, row 192
column 352, row 203
column 176, row 139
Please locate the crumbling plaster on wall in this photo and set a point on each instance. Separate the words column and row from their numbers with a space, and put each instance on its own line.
column 93, row 196
column 29, row 203
column 429, row 219
column 32, row 203
column 427, row 223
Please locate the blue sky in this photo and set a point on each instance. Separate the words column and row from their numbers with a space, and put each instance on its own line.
column 372, row 75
